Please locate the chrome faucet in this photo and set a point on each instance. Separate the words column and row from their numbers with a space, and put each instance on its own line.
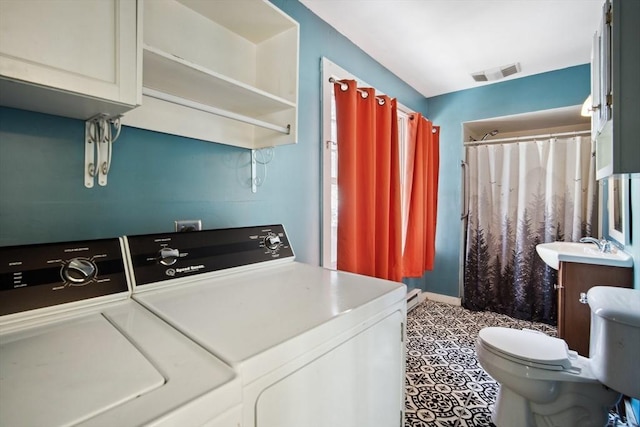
column 603, row 245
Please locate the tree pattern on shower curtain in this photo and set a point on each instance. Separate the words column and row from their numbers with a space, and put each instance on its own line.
column 520, row 195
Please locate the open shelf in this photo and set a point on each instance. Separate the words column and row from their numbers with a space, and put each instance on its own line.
column 208, row 65
column 205, row 86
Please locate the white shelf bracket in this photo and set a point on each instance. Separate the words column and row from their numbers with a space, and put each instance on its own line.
column 98, row 146
column 262, row 156
column 254, row 172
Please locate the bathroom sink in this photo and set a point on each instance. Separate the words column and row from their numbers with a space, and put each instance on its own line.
column 586, row 253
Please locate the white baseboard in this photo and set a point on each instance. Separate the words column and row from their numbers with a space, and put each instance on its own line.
column 433, row 297
column 440, row 298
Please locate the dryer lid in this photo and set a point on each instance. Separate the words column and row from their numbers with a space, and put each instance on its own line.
column 528, row 346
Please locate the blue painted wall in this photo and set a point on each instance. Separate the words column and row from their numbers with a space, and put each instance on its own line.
column 555, row 89
column 158, row 178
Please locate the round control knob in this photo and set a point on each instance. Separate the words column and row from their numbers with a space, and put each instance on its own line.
column 168, row 256
column 272, row 242
column 79, row 271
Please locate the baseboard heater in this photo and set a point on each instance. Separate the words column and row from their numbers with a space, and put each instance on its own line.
column 413, row 298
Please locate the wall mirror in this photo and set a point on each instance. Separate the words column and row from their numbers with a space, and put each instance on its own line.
column 618, row 210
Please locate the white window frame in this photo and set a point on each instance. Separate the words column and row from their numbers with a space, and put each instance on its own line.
column 329, row 151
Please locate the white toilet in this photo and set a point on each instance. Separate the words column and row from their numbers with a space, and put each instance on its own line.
column 544, row 384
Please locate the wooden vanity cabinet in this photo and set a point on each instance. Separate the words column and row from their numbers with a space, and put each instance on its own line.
column 574, row 317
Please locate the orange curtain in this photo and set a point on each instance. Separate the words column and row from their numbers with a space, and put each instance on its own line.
column 369, row 222
column 421, row 197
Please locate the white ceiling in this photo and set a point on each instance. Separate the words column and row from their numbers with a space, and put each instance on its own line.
column 435, row 45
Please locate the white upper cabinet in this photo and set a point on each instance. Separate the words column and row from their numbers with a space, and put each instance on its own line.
column 616, row 89
column 70, row 58
column 223, row 71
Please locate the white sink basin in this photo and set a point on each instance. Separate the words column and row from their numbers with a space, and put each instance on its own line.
column 586, row 253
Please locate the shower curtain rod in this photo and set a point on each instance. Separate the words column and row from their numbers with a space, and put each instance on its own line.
column 528, row 138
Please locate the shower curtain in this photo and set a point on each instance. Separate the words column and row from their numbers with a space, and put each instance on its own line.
column 522, row 194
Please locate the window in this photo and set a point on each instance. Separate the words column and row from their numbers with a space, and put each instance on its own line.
column 330, row 159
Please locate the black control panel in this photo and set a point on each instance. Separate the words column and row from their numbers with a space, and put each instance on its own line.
column 37, row 276
column 158, row 257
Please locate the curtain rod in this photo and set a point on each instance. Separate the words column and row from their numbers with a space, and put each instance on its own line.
column 527, row 138
column 363, row 93
column 343, row 87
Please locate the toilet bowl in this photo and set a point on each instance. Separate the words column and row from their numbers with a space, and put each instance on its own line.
column 544, row 384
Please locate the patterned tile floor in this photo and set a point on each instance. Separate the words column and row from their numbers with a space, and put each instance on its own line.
column 445, row 384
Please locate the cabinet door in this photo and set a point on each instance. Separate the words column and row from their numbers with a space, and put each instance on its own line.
column 617, row 124
column 574, row 317
column 82, row 47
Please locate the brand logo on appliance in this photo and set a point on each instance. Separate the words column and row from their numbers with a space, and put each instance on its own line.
column 190, row 269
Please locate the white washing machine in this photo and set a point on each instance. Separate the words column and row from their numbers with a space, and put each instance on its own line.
column 76, row 350
column 312, row 347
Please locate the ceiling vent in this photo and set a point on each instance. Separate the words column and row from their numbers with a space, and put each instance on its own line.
column 496, row 73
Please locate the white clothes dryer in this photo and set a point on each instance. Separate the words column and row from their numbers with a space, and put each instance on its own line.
column 313, row 347
column 76, row 350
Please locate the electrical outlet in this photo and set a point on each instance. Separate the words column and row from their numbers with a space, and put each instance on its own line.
column 188, row 225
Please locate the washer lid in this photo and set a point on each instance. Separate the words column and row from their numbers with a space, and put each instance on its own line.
column 70, row 372
column 113, row 363
column 615, row 304
column 530, row 347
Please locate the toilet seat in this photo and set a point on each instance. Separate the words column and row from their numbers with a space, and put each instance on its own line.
column 528, row 347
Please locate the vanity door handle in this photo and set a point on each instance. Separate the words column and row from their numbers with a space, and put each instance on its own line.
column 557, row 287
column 583, row 298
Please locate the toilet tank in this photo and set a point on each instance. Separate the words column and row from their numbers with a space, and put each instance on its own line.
column 614, row 345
